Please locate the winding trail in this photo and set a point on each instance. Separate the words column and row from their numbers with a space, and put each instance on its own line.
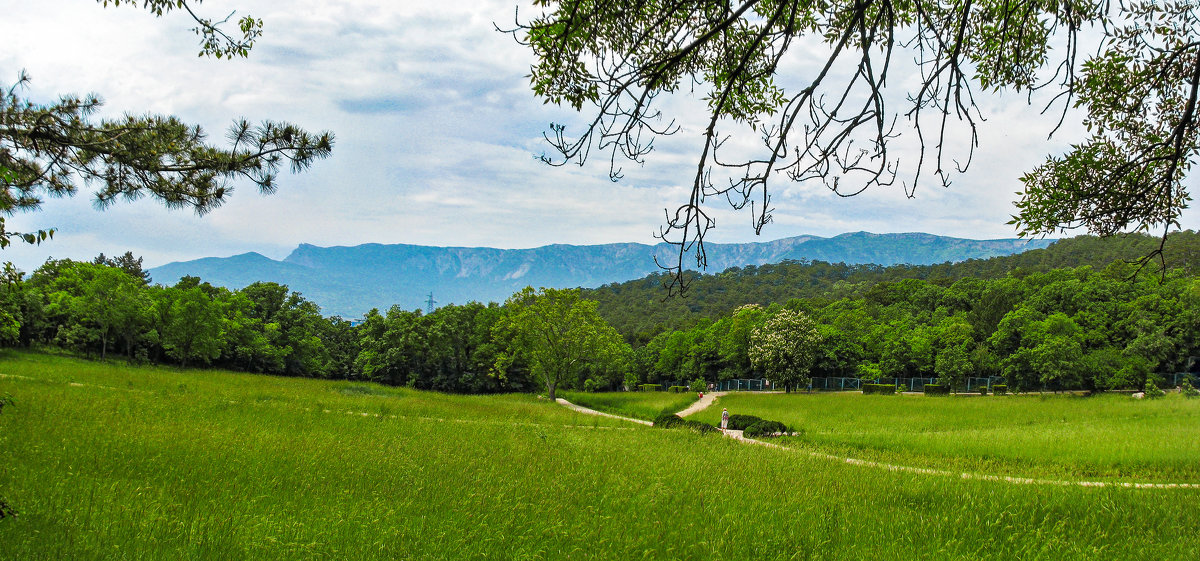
column 709, row 399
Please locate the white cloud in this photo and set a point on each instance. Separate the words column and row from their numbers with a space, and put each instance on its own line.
column 437, row 133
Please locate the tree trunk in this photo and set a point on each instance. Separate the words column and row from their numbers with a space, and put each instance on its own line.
column 551, row 387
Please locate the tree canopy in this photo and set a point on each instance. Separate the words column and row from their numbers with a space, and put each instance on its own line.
column 834, row 124
column 52, row 149
column 557, row 333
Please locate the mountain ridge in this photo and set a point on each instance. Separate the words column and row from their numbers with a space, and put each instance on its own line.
column 349, row 280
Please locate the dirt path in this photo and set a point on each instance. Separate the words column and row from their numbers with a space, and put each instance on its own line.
column 586, row 411
column 701, row 404
column 708, row 400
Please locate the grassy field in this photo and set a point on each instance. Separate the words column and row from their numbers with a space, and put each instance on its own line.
column 640, row 405
column 111, row 462
column 1105, row 437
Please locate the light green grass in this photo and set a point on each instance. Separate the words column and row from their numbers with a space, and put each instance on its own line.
column 213, row 465
column 640, row 405
column 1105, row 437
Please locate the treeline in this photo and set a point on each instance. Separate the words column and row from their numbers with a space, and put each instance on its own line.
column 109, row 307
column 1082, row 327
column 639, row 310
column 1064, row 328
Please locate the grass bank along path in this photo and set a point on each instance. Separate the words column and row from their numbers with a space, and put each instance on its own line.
column 711, row 398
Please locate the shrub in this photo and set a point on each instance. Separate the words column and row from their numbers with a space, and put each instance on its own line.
column 650, row 387
column 936, row 389
column 881, row 389
column 1000, row 389
column 1152, row 391
column 671, row 421
column 631, row 380
column 667, row 420
column 766, row 428
column 742, row 422
column 1188, row 390
column 677, row 389
column 699, row 385
column 982, row 390
column 590, row 385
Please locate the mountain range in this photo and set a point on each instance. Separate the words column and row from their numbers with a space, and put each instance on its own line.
column 349, row 281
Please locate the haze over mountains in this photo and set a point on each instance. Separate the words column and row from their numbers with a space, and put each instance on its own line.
column 349, row 281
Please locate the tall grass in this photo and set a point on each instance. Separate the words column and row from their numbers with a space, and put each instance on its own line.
column 1101, row 437
column 640, row 405
column 213, row 465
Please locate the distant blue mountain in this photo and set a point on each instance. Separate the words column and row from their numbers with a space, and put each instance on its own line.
column 349, row 281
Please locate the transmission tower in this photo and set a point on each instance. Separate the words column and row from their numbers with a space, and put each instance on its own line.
column 430, row 303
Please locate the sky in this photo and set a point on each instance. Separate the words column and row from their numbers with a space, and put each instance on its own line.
column 437, row 134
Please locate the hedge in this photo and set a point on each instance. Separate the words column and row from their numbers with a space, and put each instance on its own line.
column 671, row 421
column 982, row 390
column 936, row 389
column 766, row 428
column 677, row 389
column 742, row 422
column 1000, row 389
column 651, row 387
column 881, row 389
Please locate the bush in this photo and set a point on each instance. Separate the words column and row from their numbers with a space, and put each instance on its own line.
column 650, row 387
column 982, row 390
column 677, row 389
column 1188, row 390
column 881, row 389
column 766, row 428
column 699, row 385
column 742, row 422
column 936, row 389
column 1000, row 389
column 670, row 421
column 590, row 385
column 1152, row 391
column 667, row 420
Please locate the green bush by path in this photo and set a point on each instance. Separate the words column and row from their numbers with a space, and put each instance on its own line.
column 1104, row 437
column 672, row 421
column 766, row 428
column 141, row 463
column 742, row 422
column 640, row 405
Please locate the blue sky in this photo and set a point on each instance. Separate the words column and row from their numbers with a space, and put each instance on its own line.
column 437, row 134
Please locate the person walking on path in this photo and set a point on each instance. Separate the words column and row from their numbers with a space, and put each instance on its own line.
column 724, row 419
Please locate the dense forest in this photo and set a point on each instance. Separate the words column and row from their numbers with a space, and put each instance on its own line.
column 1078, row 314
column 639, row 309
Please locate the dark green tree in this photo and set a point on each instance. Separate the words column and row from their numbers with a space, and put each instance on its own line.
column 557, row 333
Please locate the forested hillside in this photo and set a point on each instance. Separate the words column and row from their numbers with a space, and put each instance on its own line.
column 1075, row 315
column 639, row 309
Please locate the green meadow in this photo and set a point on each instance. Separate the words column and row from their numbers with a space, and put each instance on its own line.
column 107, row 461
column 1108, row 437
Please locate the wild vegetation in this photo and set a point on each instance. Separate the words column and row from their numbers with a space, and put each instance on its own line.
column 106, row 459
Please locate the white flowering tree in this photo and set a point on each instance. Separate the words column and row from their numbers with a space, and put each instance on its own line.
column 785, row 347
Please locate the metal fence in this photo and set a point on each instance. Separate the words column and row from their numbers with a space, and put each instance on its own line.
column 835, row 384
column 744, row 384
